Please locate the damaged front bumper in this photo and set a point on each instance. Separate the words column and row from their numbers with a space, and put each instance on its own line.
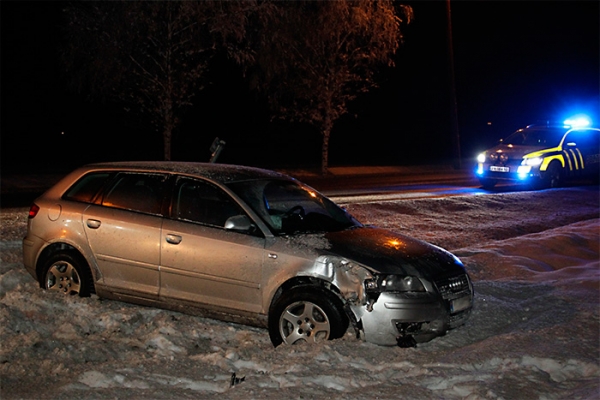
column 395, row 319
column 394, row 309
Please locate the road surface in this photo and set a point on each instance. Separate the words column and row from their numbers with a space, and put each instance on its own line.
column 365, row 185
column 343, row 184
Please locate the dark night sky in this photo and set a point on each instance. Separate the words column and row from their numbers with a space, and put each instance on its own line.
column 515, row 62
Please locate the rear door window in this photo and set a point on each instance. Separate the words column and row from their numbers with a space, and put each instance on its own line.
column 136, row 192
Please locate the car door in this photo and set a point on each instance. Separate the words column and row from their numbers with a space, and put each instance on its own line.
column 586, row 144
column 123, row 230
column 203, row 262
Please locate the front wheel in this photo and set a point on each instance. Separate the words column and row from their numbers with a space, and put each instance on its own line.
column 67, row 273
column 488, row 183
column 306, row 314
column 553, row 177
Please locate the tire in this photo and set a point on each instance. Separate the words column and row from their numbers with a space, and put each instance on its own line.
column 553, row 177
column 67, row 273
column 306, row 314
column 488, row 183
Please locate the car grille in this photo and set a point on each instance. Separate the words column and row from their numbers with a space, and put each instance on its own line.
column 454, row 287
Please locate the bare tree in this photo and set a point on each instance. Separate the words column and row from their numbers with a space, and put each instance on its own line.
column 314, row 57
column 152, row 56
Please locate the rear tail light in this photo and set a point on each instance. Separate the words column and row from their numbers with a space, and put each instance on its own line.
column 33, row 210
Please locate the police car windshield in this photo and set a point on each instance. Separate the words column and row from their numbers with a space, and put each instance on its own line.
column 536, row 137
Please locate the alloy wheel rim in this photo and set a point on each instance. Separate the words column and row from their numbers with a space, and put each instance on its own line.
column 63, row 277
column 304, row 321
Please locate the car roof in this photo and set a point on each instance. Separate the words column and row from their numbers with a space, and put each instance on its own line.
column 222, row 173
column 559, row 127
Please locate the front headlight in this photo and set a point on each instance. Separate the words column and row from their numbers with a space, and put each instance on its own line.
column 532, row 162
column 524, row 170
column 395, row 283
column 481, row 158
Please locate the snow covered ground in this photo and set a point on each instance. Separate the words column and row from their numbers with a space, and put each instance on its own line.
column 534, row 332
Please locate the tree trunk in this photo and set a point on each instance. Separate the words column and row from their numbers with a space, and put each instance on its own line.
column 325, row 154
column 326, row 132
column 169, row 122
column 168, row 134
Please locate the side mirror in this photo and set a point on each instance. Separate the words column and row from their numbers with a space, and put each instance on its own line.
column 240, row 223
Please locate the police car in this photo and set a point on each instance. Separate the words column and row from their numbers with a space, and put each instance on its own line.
column 542, row 155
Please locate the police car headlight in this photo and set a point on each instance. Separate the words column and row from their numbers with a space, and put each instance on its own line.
column 481, row 158
column 524, row 169
column 533, row 162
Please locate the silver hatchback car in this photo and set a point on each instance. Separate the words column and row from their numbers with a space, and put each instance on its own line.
column 240, row 244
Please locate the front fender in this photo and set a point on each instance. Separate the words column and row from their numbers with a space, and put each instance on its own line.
column 547, row 160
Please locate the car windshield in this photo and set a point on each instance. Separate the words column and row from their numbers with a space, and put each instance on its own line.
column 536, row 137
column 289, row 207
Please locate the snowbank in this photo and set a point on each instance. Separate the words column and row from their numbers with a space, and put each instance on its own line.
column 534, row 332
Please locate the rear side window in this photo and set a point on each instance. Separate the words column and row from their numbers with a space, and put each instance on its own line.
column 136, row 192
column 86, row 188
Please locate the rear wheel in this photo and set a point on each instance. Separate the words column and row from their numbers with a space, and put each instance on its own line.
column 67, row 273
column 306, row 314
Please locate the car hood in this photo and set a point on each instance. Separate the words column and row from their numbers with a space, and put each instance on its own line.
column 514, row 151
column 388, row 252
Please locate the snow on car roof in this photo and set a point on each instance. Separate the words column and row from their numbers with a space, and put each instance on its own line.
column 223, row 173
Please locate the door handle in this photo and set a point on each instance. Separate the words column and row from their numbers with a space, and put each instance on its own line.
column 93, row 223
column 174, row 239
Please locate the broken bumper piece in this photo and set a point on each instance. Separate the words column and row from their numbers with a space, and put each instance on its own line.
column 403, row 321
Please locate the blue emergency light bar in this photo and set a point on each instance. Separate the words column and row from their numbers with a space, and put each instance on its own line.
column 578, row 121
